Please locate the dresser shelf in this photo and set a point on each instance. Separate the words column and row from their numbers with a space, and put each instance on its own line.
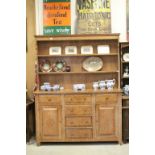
column 78, row 55
column 97, row 72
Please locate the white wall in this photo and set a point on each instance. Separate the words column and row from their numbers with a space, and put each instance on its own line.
column 118, row 17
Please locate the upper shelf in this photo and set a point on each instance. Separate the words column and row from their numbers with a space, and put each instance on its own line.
column 113, row 36
column 78, row 55
column 97, row 72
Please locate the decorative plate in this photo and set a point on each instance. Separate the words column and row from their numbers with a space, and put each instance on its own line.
column 92, row 64
column 126, row 56
column 59, row 66
column 45, row 66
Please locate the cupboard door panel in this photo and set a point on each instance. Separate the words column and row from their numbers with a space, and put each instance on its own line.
column 125, row 125
column 105, row 120
column 51, row 121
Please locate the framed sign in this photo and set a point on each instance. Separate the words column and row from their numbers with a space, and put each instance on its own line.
column 70, row 50
column 86, row 50
column 93, row 16
column 103, row 49
column 56, row 17
column 55, row 50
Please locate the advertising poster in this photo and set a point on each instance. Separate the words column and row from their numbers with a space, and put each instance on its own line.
column 56, row 17
column 93, row 16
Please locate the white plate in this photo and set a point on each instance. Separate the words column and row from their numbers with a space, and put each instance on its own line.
column 126, row 56
column 92, row 64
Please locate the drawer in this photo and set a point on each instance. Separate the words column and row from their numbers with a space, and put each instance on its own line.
column 78, row 110
column 78, row 121
column 106, row 98
column 49, row 98
column 78, row 99
column 79, row 133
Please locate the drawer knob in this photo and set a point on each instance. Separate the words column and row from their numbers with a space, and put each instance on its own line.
column 107, row 98
column 49, row 100
column 71, row 110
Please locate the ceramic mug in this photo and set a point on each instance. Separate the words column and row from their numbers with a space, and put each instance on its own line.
column 95, row 85
column 56, row 87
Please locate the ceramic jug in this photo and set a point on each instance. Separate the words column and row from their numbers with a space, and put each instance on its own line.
column 126, row 89
column 102, row 85
column 110, row 84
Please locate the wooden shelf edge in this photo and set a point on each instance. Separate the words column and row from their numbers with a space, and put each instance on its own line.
column 78, row 55
column 68, row 91
column 125, row 97
column 125, row 62
column 105, row 36
column 110, row 36
column 125, row 77
column 126, row 107
column 97, row 72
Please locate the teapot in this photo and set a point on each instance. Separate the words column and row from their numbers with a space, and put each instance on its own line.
column 110, row 84
column 46, row 86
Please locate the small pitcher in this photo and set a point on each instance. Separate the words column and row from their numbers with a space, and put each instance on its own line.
column 126, row 90
column 110, row 84
column 102, row 85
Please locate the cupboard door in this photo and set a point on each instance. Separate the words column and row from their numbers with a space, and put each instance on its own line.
column 105, row 120
column 51, row 122
column 125, row 125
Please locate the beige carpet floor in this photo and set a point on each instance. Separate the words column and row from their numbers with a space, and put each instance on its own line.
column 77, row 149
